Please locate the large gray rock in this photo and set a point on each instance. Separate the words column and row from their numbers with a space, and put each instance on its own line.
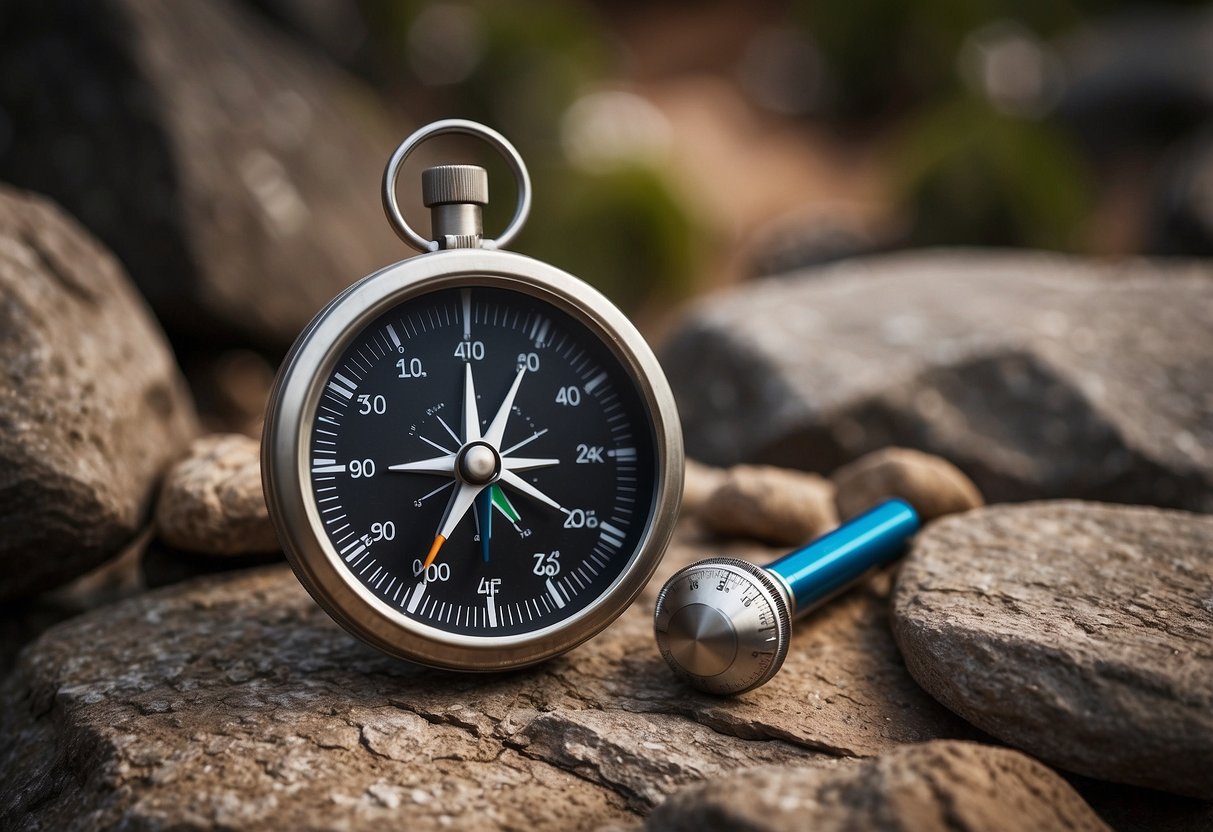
column 1038, row 375
column 235, row 701
column 92, row 406
column 235, row 174
column 1081, row 633
column 944, row 786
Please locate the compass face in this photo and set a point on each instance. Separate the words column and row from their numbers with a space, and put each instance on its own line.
column 481, row 462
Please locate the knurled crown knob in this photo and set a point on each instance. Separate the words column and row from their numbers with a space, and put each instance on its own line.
column 454, row 184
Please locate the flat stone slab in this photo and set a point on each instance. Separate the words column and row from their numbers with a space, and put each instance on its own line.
column 1081, row 633
column 1037, row 375
column 935, row 786
column 233, row 700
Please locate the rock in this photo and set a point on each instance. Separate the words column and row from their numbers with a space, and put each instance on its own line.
column 234, row 701
column 1181, row 221
column 824, row 233
column 164, row 565
column 1132, row 809
column 769, row 504
column 945, row 786
column 230, row 390
column 234, row 173
column 338, row 28
column 1081, row 633
column 698, row 483
column 932, row 485
column 212, row 501
column 1136, row 79
column 1036, row 374
column 21, row 621
column 92, row 406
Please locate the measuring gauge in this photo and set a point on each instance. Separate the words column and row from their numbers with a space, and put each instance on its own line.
column 724, row 625
column 472, row 459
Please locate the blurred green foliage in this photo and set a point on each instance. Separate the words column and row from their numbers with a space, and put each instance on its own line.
column 624, row 228
column 967, row 161
column 963, row 171
column 977, row 177
column 628, row 233
column 887, row 57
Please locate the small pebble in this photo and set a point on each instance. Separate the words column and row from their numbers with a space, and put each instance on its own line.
column 931, row 484
column 774, row 505
column 212, row 501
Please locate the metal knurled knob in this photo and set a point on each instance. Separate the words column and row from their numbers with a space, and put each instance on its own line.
column 454, row 184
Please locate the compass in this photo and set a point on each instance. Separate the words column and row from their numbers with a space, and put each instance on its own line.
column 472, row 458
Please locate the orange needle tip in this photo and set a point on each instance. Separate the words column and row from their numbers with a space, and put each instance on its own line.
column 438, row 541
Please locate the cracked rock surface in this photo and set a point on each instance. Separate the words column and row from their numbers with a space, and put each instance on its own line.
column 944, row 786
column 1081, row 633
column 1035, row 374
column 92, row 405
column 211, row 501
column 233, row 700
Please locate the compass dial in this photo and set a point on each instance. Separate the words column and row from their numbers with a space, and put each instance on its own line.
column 481, row 462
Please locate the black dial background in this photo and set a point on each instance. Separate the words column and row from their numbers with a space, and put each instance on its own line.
column 610, row 416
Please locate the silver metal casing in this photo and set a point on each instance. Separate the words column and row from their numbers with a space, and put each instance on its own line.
column 754, row 635
column 286, row 441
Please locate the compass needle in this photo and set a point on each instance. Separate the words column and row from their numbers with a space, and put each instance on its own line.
column 517, row 482
column 447, row 428
column 472, row 459
column 526, row 441
column 434, row 547
column 497, row 428
column 434, row 444
column 456, row 509
column 437, row 465
column 525, row 464
column 471, row 419
column 502, row 503
column 484, row 515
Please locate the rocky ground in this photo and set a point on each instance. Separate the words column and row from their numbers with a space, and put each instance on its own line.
column 1075, row 632
column 1041, row 664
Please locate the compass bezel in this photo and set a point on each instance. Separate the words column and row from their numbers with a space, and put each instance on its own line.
column 288, row 487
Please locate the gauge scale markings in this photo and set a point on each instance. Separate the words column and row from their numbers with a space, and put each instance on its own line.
column 570, row 544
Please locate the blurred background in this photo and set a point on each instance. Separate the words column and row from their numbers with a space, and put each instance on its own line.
column 229, row 152
column 711, row 142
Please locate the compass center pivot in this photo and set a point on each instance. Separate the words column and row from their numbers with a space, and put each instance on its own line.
column 478, row 463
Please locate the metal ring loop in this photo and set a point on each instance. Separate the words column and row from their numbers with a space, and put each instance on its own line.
column 522, row 179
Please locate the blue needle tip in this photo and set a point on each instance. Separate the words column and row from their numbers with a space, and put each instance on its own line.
column 484, row 508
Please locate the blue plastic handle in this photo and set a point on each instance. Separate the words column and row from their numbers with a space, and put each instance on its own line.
column 834, row 561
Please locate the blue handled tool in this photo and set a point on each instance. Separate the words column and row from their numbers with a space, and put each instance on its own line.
column 724, row 625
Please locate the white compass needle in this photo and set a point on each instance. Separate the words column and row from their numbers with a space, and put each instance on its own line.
column 471, row 419
column 522, row 463
column 444, row 465
column 496, row 430
column 517, row 482
column 456, row 508
column 526, row 441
